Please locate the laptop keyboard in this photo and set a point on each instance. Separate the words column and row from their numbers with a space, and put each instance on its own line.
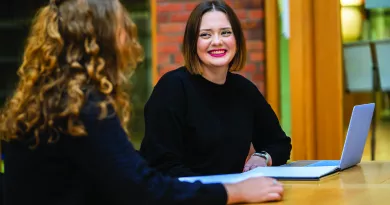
column 324, row 163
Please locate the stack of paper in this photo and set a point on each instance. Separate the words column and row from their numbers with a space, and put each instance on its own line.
column 223, row 178
column 287, row 173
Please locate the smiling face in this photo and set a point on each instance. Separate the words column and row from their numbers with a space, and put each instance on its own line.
column 216, row 45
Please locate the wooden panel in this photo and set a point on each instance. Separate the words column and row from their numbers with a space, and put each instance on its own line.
column 329, row 88
column 302, row 80
column 272, row 70
column 316, row 79
column 153, row 26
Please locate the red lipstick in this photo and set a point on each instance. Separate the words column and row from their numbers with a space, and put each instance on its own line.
column 217, row 52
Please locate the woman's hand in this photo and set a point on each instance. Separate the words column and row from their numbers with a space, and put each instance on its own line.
column 253, row 162
column 254, row 190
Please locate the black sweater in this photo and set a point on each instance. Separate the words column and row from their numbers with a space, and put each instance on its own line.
column 102, row 168
column 196, row 127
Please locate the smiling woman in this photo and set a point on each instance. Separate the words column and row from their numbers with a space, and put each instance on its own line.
column 202, row 118
column 213, row 26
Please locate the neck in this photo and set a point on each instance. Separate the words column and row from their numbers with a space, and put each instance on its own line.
column 216, row 75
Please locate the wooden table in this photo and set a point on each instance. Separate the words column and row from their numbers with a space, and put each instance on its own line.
column 365, row 184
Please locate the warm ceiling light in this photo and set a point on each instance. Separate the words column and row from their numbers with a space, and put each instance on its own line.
column 351, row 2
column 351, row 23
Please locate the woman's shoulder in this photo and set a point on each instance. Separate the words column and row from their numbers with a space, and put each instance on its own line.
column 170, row 89
column 243, row 83
column 175, row 75
column 173, row 79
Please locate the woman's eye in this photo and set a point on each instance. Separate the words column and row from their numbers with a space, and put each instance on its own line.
column 204, row 35
column 226, row 33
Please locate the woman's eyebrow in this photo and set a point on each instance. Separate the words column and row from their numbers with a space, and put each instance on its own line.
column 207, row 29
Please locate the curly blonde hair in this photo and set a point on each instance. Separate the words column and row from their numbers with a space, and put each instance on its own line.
column 74, row 46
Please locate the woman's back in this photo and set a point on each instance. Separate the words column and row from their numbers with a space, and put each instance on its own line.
column 54, row 172
column 74, row 48
column 46, row 171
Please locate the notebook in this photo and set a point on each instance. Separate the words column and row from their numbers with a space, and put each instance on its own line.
column 286, row 173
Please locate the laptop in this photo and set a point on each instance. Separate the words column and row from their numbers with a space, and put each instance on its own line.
column 359, row 127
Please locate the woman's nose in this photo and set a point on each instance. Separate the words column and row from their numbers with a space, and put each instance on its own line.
column 217, row 40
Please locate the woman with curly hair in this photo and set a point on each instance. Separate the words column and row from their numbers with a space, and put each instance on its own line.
column 65, row 125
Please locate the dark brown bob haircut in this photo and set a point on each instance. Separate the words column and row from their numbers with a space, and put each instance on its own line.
column 191, row 34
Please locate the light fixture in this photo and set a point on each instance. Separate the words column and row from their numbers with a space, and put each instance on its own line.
column 351, row 19
column 351, row 2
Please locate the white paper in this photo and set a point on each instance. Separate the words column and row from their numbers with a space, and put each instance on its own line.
column 294, row 172
column 223, row 178
column 275, row 172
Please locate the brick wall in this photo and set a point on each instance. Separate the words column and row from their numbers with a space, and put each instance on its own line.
column 171, row 19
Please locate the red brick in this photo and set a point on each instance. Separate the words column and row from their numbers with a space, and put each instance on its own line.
column 170, row 38
column 251, row 3
column 246, row 35
column 250, row 67
column 164, row 58
column 256, row 24
column 191, row 6
column 229, row 2
column 252, row 45
column 261, row 68
column 255, row 14
column 249, row 24
column 254, row 34
column 235, row 4
column 172, row 28
column 163, row 17
column 169, row 7
column 166, row 68
column 179, row 59
column 180, row 16
column 168, row 48
column 258, row 77
column 241, row 13
column 256, row 56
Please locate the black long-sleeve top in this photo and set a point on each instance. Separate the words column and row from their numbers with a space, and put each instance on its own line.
column 196, row 127
column 101, row 168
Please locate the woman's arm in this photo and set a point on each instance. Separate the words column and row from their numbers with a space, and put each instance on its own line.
column 163, row 145
column 268, row 134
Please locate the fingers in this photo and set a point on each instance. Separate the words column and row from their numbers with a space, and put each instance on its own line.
column 274, row 197
column 276, row 189
column 248, row 167
column 275, row 193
